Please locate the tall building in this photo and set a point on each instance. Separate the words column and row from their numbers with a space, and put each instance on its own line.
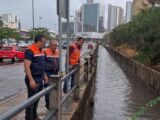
column 78, row 21
column 10, row 20
column 90, row 1
column 129, row 10
column 9, row 17
column 78, row 15
column 65, row 26
column 119, row 16
column 115, row 16
column 93, row 17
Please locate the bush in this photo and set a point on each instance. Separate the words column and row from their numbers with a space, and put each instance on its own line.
column 142, row 33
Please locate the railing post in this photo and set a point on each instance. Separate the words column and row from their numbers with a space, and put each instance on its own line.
column 86, row 69
column 76, row 82
column 91, row 59
column 55, row 97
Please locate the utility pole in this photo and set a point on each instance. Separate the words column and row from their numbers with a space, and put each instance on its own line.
column 60, row 35
column 33, row 18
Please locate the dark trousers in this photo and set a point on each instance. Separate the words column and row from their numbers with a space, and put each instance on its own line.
column 46, row 96
column 66, row 84
column 31, row 111
column 49, row 73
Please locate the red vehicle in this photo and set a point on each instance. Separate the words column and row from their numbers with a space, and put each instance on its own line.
column 11, row 52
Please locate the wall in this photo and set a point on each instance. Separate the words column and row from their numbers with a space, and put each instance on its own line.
column 137, row 71
column 85, row 105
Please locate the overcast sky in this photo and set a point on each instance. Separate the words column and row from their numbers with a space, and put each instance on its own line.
column 45, row 9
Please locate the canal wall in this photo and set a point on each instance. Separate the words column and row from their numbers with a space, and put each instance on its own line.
column 84, row 108
column 137, row 71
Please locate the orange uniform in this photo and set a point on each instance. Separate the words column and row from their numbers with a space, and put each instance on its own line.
column 52, row 60
column 74, row 55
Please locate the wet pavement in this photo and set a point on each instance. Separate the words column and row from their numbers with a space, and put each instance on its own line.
column 117, row 97
column 11, row 80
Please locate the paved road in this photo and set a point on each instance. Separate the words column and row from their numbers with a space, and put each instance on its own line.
column 11, row 80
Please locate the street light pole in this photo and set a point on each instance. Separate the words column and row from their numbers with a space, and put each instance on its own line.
column 55, row 25
column 76, row 25
column 60, row 35
column 40, row 18
column 33, row 18
column 68, row 36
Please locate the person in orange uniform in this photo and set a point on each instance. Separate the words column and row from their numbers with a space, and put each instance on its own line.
column 34, row 65
column 51, row 65
column 74, row 59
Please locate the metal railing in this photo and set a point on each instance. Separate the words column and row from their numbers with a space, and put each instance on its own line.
column 55, row 92
column 14, row 111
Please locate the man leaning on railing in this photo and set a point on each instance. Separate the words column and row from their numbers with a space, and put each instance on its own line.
column 74, row 59
column 34, row 65
column 51, row 65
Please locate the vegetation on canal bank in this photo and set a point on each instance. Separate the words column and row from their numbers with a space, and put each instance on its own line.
column 144, row 109
column 141, row 36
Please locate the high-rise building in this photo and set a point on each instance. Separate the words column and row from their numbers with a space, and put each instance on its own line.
column 9, row 17
column 78, row 21
column 93, row 17
column 10, row 20
column 65, row 26
column 115, row 16
column 78, row 15
column 90, row 1
column 129, row 10
column 119, row 16
column 112, row 17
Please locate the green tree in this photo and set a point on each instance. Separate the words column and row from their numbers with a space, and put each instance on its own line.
column 40, row 31
column 7, row 33
column 142, row 33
